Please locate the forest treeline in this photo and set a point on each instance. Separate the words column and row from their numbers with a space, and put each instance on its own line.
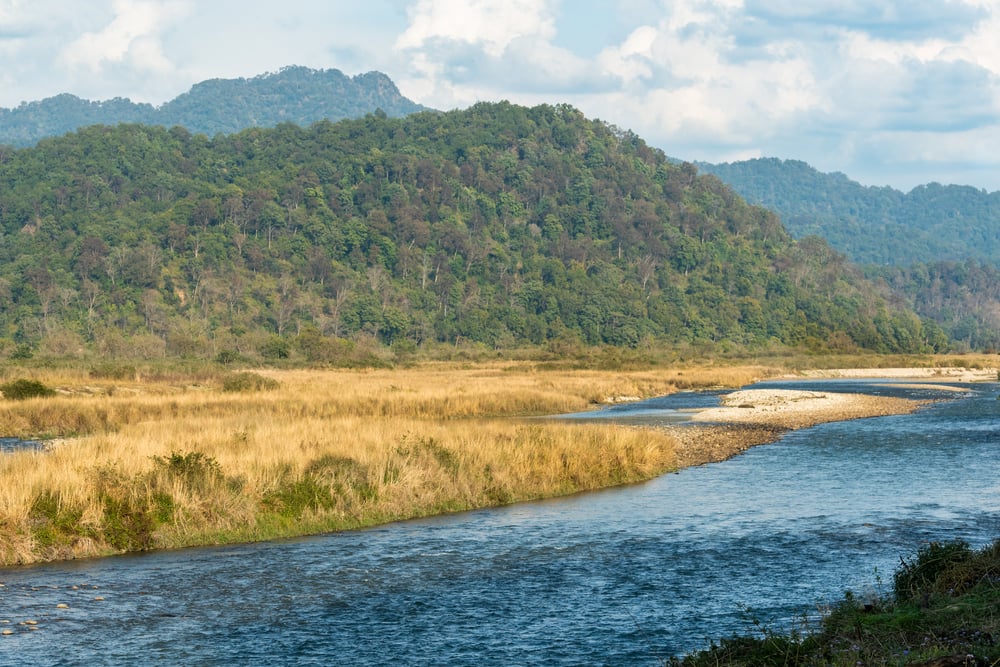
column 937, row 246
column 499, row 225
column 293, row 94
column 872, row 225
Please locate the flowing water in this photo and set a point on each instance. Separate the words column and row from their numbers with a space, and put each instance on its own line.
column 620, row 577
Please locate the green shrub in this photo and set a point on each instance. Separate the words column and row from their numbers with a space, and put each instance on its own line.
column 248, row 382
column 22, row 352
column 21, row 389
column 343, row 475
column 927, row 573
column 276, row 347
column 196, row 470
column 291, row 499
column 228, row 357
column 53, row 522
column 128, row 526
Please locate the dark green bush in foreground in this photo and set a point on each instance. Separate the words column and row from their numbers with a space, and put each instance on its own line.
column 944, row 610
column 21, row 389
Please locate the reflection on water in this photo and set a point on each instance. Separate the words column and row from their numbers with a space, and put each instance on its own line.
column 620, row 577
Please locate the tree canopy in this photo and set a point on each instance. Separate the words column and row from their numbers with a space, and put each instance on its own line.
column 501, row 225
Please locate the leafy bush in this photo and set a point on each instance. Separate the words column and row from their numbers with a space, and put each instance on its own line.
column 228, row 357
column 344, row 475
column 21, row 389
column 54, row 522
column 276, row 348
column 923, row 575
column 248, row 382
column 291, row 499
column 196, row 470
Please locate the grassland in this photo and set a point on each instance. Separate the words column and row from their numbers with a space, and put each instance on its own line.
column 148, row 461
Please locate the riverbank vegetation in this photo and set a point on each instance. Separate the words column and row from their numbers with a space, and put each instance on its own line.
column 943, row 611
column 163, row 460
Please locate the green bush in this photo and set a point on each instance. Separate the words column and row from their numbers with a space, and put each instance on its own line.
column 21, row 389
column 248, row 382
column 196, row 470
column 228, row 357
column 276, row 347
column 291, row 499
column 927, row 573
column 53, row 522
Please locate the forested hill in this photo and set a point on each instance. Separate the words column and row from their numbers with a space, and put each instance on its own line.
column 295, row 94
column 872, row 225
column 498, row 225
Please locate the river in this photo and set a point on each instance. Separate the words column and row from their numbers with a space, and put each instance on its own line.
column 626, row 576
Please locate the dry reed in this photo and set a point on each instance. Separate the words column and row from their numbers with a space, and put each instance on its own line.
column 163, row 464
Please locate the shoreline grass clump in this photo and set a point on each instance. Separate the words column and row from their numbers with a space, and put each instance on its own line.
column 943, row 611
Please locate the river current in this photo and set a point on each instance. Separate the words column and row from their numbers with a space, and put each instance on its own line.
column 626, row 576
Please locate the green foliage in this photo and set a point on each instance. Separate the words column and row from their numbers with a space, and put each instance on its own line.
column 345, row 476
column 932, row 571
column 22, row 352
column 196, row 470
column 248, row 381
column 128, row 524
column 872, row 225
column 23, row 389
column 228, row 357
column 498, row 227
column 54, row 523
column 276, row 347
column 129, row 519
column 293, row 498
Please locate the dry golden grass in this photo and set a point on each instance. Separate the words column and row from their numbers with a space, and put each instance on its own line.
column 157, row 464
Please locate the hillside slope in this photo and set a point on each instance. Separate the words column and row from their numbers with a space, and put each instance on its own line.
column 500, row 225
column 872, row 225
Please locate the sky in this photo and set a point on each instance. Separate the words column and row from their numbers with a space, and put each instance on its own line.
column 888, row 92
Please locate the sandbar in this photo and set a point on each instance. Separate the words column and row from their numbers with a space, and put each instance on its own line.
column 751, row 417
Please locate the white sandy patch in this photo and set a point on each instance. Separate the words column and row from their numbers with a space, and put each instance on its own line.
column 792, row 408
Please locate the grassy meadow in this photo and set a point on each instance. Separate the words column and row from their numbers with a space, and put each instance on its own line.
column 164, row 460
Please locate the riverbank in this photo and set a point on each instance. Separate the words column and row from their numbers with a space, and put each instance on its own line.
column 750, row 417
column 174, row 461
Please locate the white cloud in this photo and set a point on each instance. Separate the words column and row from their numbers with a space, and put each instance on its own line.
column 819, row 80
column 493, row 24
column 132, row 36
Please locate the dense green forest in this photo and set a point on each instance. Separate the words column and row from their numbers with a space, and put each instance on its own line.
column 936, row 247
column 294, row 94
column 499, row 225
column 872, row 225
column 963, row 298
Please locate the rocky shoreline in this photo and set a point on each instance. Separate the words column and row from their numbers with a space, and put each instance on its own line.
column 752, row 417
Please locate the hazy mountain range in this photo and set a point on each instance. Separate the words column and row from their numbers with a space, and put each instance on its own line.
column 293, row 95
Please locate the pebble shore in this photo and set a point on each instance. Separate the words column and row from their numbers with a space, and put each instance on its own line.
column 753, row 417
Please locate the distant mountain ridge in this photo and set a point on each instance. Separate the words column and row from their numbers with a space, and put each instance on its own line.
column 871, row 225
column 294, row 94
column 937, row 247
